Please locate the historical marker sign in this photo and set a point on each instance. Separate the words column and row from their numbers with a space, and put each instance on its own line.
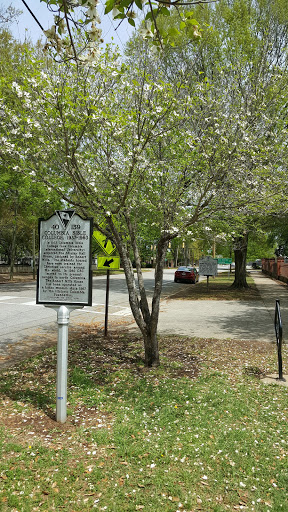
column 208, row 266
column 64, row 275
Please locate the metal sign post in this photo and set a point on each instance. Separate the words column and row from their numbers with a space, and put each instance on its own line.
column 63, row 317
column 64, row 282
column 106, row 261
column 107, row 303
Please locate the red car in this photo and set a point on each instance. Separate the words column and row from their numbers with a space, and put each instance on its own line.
column 186, row 274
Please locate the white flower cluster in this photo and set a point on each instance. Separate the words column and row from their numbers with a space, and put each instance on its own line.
column 146, row 31
column 94, row 34
column 16, row 87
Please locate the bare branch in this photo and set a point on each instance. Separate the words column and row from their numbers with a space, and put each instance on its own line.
column 33, row 15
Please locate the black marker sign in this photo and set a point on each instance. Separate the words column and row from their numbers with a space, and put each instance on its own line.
column 64, row 275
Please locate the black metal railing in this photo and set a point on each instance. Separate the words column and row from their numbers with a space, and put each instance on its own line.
column 278, row 331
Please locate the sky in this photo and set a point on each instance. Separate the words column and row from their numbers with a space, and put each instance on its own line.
column 27, row 26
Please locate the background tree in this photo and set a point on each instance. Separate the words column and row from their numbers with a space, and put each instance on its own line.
column 21, row 201
column 277, row 228
column 242, row 54
column 8, row 15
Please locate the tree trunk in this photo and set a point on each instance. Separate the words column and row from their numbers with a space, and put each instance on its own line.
column 145, row 317
column 34, row 253
column 240, row 253
column 176, row 259
column 13, row 241
column 12, row 258
column 151, row 349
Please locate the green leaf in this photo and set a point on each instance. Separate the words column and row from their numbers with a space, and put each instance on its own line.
column 109, row 6
column 149, row 15
column 192, row 22
column 139, row 4
column 123, row 3
column 162, row 32
column 164, row 11
column 120, row 16
column 131, row 22
column 182, row 25
column 173, row 32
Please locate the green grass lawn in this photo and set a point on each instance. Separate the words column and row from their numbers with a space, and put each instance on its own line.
column 219, row 288
column 201, row 432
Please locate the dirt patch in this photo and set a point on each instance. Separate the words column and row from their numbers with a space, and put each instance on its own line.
column 215, row 291
column 25, row 348
column 35, row 425
column 235, row 356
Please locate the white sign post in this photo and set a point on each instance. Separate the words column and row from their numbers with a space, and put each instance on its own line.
column 64, row 282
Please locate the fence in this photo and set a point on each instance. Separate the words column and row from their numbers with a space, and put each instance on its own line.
column 275, row 268
column 278, row 332
column 18, row 269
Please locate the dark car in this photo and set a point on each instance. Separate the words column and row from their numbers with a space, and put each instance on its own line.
column 186, row 274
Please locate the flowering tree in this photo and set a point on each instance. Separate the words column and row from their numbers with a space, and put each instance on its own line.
column 95, row 128
column 134, row 151
column 243, row 56
column 21, row 200
column 259, row 63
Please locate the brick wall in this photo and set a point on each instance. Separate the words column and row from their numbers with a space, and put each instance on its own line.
column 277, row 269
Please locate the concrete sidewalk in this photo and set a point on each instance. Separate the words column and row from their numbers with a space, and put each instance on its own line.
column 245, row 320
column 270, row 290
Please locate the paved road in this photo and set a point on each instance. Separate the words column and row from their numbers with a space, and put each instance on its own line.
column 19, row 314
column 21, row 318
